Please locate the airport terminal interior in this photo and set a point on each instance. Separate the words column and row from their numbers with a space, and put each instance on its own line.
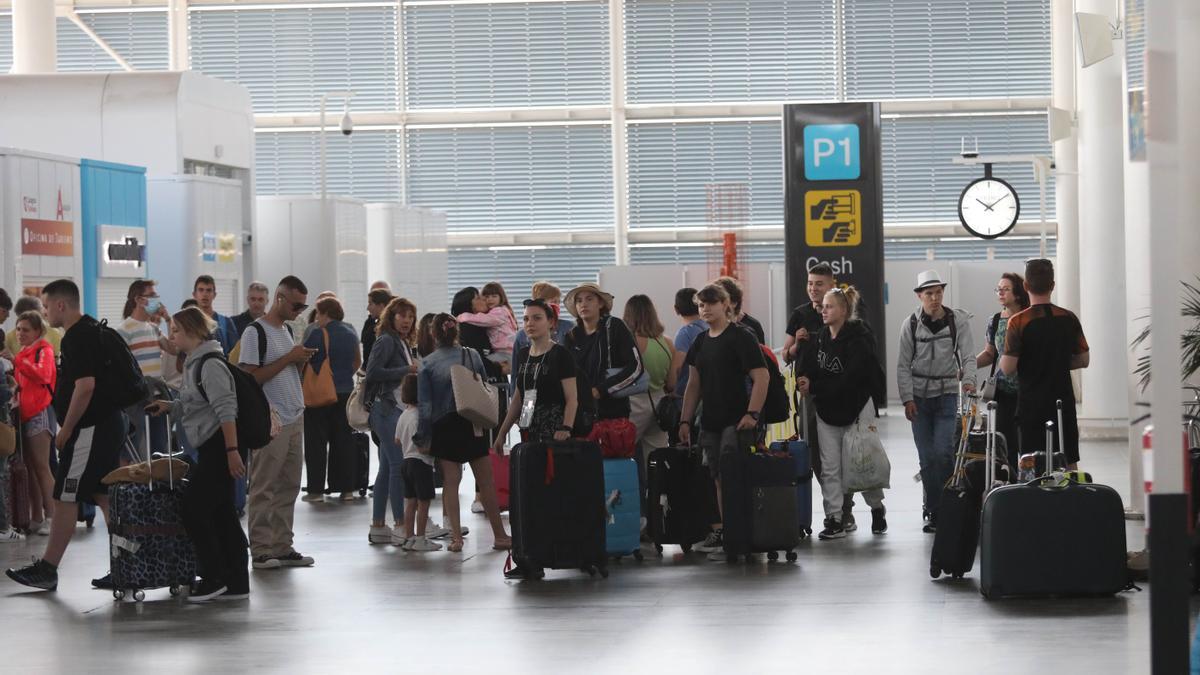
column 599, row 335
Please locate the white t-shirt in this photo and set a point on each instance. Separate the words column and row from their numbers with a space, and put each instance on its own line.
column 283, row 391
column 406, row 426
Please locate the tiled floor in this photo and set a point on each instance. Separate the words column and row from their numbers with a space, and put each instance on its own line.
column 865, row 604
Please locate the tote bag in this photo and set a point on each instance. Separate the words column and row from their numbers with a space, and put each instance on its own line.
column 865, row 464
column 357, row 414
column 474, row 399
column 317, row 386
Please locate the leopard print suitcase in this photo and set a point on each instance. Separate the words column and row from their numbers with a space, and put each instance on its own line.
column 148, row 544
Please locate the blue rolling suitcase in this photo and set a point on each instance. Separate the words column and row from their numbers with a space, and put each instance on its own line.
column 797, row 447
column 623, row 531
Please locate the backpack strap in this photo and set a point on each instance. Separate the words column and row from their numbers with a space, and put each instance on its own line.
column 995, row 326
column 912, row 333
column 200, row 368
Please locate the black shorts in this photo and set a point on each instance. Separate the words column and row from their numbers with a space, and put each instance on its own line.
column 90, row 454
column 418, row 479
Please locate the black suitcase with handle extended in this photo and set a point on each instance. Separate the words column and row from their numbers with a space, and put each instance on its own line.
column 557, row 507
column 758, row 496
column 957, row 536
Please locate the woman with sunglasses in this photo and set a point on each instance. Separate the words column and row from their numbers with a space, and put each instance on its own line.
column 1011, row 293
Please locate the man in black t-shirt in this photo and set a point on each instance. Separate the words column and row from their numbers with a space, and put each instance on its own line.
column 89, row 440
column 719, row 362
column 737, row 296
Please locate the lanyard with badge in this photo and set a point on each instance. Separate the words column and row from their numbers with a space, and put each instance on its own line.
column 529, row 398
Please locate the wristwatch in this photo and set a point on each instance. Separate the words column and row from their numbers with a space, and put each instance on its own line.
column 752, row 415
column 565, row 428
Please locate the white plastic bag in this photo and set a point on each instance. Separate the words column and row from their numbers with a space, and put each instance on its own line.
column 865, row 464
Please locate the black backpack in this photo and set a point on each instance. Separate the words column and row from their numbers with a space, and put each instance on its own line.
column 119, row 380
column 777, row 408
column 254, row 412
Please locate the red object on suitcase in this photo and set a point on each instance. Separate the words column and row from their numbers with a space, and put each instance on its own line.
column 617, row 438
column 500, row 478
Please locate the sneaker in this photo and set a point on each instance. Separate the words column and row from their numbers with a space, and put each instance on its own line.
column 878, row 522
column 435, row 531
column 399, row 539
column 476, row 506
column 833, row 530
column 10, row 536
column 206, row 590
column 39, row 574
column 713, row 543
column 848, row 522
column 266, row 562
column 34, row 526
column 380, row 534
column 104, row 583
column 294, row 559
column 42, row 530
column 422, row 545
column 313, row 497
column 231, row 594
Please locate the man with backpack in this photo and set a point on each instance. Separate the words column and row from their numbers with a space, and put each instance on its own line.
column 99, row 377
column 928, row 371
column 269, row 352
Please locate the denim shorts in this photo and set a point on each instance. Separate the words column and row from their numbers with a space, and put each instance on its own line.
column 43, row 421
column 716, row 443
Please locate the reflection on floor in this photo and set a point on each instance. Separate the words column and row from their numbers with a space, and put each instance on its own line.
column 864, row 604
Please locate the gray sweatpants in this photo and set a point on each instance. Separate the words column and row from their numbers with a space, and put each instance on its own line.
column 832, row 496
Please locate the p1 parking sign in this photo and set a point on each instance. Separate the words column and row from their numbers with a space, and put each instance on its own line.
column 831, row 152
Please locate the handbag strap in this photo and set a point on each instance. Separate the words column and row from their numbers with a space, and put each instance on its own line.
column 995, row 327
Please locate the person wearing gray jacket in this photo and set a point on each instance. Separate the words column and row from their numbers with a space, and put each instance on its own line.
column 928, row 372
column 208, row 408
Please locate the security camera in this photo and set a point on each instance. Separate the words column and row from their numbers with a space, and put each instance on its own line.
column 347, row 125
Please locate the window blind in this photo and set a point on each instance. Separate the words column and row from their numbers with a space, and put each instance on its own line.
column 921, row 185
column 729, row 50
column 912, row 49
column 288, row 57
column 365, row 165
column 518, row 269
column 139, row 37
column 506, row 55
column 671, row 167
column 1135, row 43
column 514, row 178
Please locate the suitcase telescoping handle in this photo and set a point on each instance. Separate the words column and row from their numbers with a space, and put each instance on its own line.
column 150, row 456
column 804, row 418
column 1049, row 448
column 990, row 453
column 1061, row 440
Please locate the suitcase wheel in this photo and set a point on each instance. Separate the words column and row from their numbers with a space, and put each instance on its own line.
column 637, row 555
column 603, row 572
column 118, row 594
column 139, row 595
column 90, row 522
column 792, row 556
column 658, row 549
column 935, row 571
column 175, row 590
column 773, row 556
column 958, row 575
column 590, row 570
column 687, row 548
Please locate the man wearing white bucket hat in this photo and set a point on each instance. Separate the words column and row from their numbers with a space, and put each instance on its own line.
column 928, row 371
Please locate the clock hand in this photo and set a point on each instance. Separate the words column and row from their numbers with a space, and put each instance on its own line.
column 989, row 208
column 997, row 202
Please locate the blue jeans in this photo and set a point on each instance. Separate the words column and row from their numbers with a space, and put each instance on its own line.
column 933, row 431
column 388, row 482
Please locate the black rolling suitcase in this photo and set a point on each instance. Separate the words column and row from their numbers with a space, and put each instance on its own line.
column 957, row 536
column 1053, row 537
column 758, row 493
column 682, row 503
column 557, row 507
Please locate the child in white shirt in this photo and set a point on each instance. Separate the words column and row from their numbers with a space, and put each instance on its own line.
column 417, row 472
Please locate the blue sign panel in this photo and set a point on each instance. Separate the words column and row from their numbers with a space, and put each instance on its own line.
column 831, row 152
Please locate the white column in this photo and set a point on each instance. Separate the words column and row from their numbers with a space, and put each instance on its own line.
column 177, row 35
column 1066, row 182
column 1102, row 240
column 620, row 144
column 34, row 37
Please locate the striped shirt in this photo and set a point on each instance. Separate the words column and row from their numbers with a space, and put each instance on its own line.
column 283, row 391
column 142, row 338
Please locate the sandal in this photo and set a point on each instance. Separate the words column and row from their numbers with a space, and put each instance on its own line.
column 456, row 545
column 504, row 544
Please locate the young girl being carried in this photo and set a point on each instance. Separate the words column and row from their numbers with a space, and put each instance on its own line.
column 498, row 319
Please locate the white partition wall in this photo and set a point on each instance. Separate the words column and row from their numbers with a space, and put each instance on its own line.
column 326, row 253
column 196, row 225
column 41, row 238
column 407, row 247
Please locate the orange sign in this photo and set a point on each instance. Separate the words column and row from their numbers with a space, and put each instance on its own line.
column 47, row 237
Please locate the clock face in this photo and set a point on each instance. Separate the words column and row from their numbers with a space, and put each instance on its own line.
column 988, row 207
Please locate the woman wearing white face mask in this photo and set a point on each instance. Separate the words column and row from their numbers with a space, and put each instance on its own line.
column 142, row 314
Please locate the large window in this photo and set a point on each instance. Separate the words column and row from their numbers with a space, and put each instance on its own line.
column 915, row 49
column 518, row 268
column 139, row 37
column 365, row 165
column 506, row 55
column 730, row 50
column 288, row 57
column 514, row 178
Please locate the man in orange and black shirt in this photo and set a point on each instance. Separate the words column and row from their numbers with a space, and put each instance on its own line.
column 1044, row 344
